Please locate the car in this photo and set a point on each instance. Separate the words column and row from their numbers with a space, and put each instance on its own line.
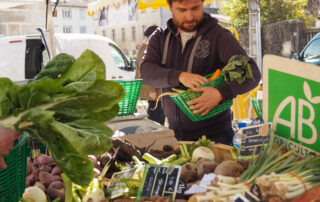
column 22, row 57
column 310, row 53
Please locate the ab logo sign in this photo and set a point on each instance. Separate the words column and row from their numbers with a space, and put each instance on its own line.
column 291, row 102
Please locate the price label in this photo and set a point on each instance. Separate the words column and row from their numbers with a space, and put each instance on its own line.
column 253, row 139
column 159, row 181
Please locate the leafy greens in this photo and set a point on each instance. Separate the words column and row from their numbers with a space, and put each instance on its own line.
column 65, row 107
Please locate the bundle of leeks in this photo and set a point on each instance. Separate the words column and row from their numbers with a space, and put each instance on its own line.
column 268, row 161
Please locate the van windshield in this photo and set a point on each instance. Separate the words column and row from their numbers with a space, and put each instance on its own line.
column 118, row 57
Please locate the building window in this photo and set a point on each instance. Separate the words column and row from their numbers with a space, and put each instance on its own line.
column 104, row 33
column 82, row 14
column 133, row 32
column 143, row 29
column 67, row 29
column 113, row 35
column 83, row 29
column 66, row 13
column 134, row 52
column 123, row 34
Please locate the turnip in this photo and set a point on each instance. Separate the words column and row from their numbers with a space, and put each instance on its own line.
column 45, row 178
column 34, row 194
column 32, row 178
column 202, row 152
column 56, row 189
column 45, row 160
column 56, row 178
column 56, row 170
column 40, row 186
column 45, row 168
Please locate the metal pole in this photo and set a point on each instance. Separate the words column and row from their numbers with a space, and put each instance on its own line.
column 255, row 46
column 49, row 29
column 259, row 43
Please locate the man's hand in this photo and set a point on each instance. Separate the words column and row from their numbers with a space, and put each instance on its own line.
column 191, row 80
column 7, row 138
column 209, row 99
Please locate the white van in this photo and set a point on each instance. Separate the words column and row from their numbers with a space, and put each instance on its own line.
column 22, row 57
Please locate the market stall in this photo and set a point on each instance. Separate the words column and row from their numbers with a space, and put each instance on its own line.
column 81, row 162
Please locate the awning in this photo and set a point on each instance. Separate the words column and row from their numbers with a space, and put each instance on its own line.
column 142, row 4
column 155, row 4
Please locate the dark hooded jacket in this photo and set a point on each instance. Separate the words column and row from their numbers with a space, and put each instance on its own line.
column 210, row 48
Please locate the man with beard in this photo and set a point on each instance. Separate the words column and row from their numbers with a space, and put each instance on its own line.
column 193, row 45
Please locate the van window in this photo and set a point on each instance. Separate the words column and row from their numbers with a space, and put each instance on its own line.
column 34, row 57
column 118, row 57
column 312, row 52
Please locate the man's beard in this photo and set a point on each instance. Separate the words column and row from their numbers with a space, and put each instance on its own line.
column 189, row 29
column 185, row 28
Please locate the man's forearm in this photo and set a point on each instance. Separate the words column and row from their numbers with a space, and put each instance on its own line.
column 158, row 77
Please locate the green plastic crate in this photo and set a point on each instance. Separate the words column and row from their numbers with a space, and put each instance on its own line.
column 13, row 178
column 132, row 91
column 182, row 98
column 257, row 105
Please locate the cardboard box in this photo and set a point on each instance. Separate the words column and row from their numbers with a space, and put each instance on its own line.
column 156, row 139
column 166, row 137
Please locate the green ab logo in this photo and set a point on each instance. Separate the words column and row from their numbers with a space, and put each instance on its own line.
column 302, row 105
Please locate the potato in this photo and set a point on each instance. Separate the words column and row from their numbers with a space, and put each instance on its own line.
column 205, row 166
column 189, row 172
column 229, row 168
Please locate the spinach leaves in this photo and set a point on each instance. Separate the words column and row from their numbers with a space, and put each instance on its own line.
column 65, row 107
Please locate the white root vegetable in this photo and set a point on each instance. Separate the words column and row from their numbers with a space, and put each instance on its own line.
column 34, row 194
column 202, row 153
column 96, row 195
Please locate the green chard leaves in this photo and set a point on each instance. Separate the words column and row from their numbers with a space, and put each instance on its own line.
column 65, row 106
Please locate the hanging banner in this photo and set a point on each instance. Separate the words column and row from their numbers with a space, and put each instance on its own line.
column 291, row 101
column 119, row 14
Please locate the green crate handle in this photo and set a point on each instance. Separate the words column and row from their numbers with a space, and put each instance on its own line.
column 181, row 100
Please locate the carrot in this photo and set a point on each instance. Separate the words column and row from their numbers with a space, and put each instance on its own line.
column 216, row 74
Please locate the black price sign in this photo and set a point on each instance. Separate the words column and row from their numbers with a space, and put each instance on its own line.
column 253, row 138
column 159, row 181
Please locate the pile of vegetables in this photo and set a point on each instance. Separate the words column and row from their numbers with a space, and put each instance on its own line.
column 276, row 174
column 44, row 174
column 301, row 176
column 65, row 107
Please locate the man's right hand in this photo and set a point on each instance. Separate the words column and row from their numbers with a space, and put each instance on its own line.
column 191, row 80
column 7, row 138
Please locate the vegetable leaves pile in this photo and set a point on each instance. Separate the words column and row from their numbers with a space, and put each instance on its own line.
column 65, row 107
column 238, row 69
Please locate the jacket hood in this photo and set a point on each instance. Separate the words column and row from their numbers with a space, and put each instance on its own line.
column 206, row 24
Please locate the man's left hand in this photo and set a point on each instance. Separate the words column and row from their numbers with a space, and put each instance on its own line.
column 209, row 99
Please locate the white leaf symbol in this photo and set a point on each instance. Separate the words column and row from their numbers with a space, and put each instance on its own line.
column 307, row 93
